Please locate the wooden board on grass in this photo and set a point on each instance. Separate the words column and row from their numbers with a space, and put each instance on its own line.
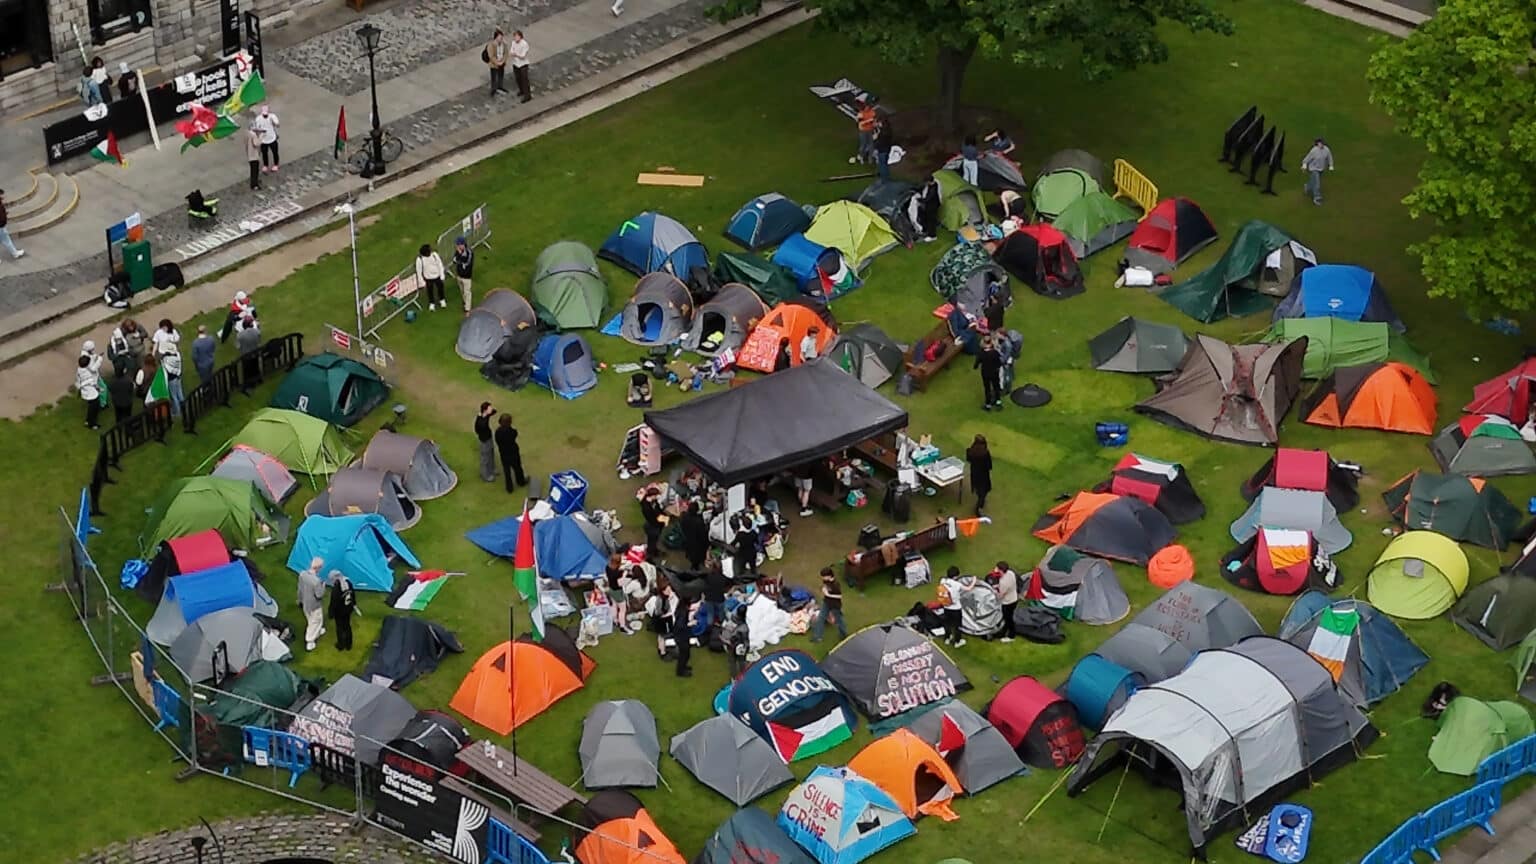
column 691, row 180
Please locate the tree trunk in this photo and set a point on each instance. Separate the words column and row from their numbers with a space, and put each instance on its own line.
column 952, row 65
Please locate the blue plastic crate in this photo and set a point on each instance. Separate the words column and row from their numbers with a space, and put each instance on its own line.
column 567, row 492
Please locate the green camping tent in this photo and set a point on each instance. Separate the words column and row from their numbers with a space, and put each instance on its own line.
column 1471, row 730
column 1483, row 446
column 1465, row 509
column 568, row 290
column 1500, row 612
column 1134, row 345
column 1334, row 342
column 235, row 508
column 256, row 696
column 1229, row 288
column 867, row 353
column 1094, row 222
column 1054, row 192
column 854, row 230
column 771, row 282
column 307, row 445
column 1524, row 658
column 1419, row 575
column 960, row 203
column 333, row 388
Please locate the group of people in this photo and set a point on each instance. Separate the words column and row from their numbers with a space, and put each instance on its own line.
column 502, row 441
column 499, row 52
column 876, row 137
column 951, row 589
column 431, row 274
column 96, row 84
column 312, row 600
column 261, row 152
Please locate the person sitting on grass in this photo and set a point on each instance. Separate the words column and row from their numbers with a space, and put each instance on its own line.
column 639, row 391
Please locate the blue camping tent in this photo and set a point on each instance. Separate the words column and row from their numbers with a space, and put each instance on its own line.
column 651, row 242
column 1097, row 688
column 359, row 545
column 1388, row 658
column 765, row 221
column 1338, row 291
column 562, row 364
column 842, row 818
column 191, row 596
column 802, row 257
column 788, row 700
column 562, row 549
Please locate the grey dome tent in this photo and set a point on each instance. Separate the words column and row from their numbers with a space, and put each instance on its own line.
column 568, row 291
column 765, row 221
column 995, row 172
column 1294, row 508
column 1482, row 445
column 432, row 738
column 728, row 757
column 1186, row 619
column 1499, row 612
column 978, row 286
column 619, row 747
column 1375, row 662
column 218, row 644
column 660, row 311
column 867, row 353
column 751, row 836
column 270, row 477
column 1142, row 347
column 355, row 489
column 500, row 314
column 981, row 612
column 1235, row 730
column 1236, row 393
column 1146, row 651
column 865, row 666
column 1078, row 586
column 416, row 461
column 354, row 718
column 912, row 212
column 724, row 321
column 984, row 760
column 190, row 596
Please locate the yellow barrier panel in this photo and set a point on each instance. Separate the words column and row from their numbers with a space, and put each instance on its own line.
column 1132, row 184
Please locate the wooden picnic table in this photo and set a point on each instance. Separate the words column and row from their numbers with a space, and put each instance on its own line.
column 523, row 829
column 522, row 782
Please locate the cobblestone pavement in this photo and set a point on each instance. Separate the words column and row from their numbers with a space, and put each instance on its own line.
column 264, row 838
column 414, row 35
column 316, row 170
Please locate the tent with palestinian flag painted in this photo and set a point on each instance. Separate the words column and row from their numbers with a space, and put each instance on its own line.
column 973, row 748
column 1164, row 485
column 788, row 700
column 1483, row 445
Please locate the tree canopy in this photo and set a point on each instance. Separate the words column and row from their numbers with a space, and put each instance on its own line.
column 1462, row 85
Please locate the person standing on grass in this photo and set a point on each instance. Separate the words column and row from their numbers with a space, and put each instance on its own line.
column 831, row 607
column 885, row 139
column 170, row 359
column 464, row 271
column 511, row 454
column 120, row 388
column 248, row 344
column 495, row 55
column 695, row 536
column 979, row 458
column 203, row 349
column 989, row 359
column 866, row 119
column 265, row 123
column 949, row 591
column 655, row 518
column 429, row 275
column 6, row 242
column 520, row 65
column 682, row 637
column 342, row 604
column 1007, row 584
column 784, row 359
column 165, row 335
column 487, row 446
column 970, row 160
column 239, row 307
column 88, row 382
column 808, row 344
column 1317, row 160
column 311, row 593
column 125, row 347
column 805, row 481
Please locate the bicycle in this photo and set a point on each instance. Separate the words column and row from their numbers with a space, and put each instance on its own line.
column 359, row 150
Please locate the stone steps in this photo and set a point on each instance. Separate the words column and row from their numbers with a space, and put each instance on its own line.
column 45, row 188
column 62, row 202
column 20, row 192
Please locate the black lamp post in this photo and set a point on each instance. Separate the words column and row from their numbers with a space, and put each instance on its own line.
column 368, row 35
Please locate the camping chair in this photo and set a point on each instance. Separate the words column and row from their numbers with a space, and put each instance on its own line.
column 201, row 212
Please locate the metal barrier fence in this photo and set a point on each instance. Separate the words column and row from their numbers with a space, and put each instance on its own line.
column 401, row 291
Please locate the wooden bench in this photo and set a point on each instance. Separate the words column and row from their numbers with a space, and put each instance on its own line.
column 921, row 370
column 523, row 829
column 521, row 781
column 861, row 563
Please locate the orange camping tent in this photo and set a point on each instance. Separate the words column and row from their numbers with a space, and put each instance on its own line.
column 912, row 772
column 621, row 832
column 543, row 673
column 785, row 321
column 1391, row 396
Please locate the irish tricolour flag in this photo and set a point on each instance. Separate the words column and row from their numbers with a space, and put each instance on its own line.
column 1331, row 640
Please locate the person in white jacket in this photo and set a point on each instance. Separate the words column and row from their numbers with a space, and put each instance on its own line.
column 88, row 382
column 265, row 124
column 429, row 277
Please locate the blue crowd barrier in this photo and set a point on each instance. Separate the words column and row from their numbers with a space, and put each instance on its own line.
column 167, row 705
column 505, row 846
column 1398, row 847
column 1474, row 807
column 278, row 749
column 1513, row 761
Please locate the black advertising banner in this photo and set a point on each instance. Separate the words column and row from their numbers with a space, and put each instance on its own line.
column 78, row 133
column 209, row 86
column 253, row 42
column 411, row 802
column 229, row 23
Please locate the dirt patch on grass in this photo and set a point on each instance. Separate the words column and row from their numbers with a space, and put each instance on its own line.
column 917, row 131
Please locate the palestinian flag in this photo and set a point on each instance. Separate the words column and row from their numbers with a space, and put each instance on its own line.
column 341, row 133
column 839, row 281
column 159, row 388
column 106, row 151
column 251, row 91
column 805, row 736
column 525, row 575
column 1331, row 640
column 951, row 736
column 423, row 587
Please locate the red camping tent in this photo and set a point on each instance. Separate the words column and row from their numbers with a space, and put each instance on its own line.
column 1041, row 257
column 1175, row 229
column 1307, row 470
column 1508, row 395
column 1038, row 723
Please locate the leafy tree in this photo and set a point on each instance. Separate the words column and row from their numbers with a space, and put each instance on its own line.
column 1101, row 36
column 1462, row 85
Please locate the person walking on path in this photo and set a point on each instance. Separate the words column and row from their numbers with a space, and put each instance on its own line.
column 253, row 156
column 464, row 271
column 520, row 65
column 885, row 139
column 1317, row 160
column 695, row 536
column 311, row 593
column 949, row 598
column 866, row 119
column 511, row 454
column 343, row 603
column 5, row 236
column 203, row 349
column 487, row 446
column 1007, row 584
column 990, row 361
column 265, row 123
column 980, row 460
column 88, row 382
column 429, row 275
column 831, row 607
column 970, row 161
column 495, row 55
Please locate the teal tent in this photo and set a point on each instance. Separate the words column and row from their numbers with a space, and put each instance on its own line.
column 1095, row 221
column 568, row 291
column 771, row 282
column 1232, row 287
column 1334, row 342
column 332, row 388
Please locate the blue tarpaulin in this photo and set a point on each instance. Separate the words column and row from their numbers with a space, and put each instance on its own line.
column 358, row 545
column 223, row 587
column 560, row 546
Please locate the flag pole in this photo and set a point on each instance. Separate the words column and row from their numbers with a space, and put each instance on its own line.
column 149, row 110
column 512, row 677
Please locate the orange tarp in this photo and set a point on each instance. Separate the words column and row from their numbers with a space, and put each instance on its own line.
column 1072, row 514
column 486, row 695
column 785, row 321
column 898, row 764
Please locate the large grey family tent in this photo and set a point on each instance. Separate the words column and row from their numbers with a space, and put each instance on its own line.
column 307, row 445
column 432, row 738
column 619, row 748
column 1261, row 260
column 1482, row 445
column 408, row 648
column 1333, row 343
column 354, row 718
column 1097, row 688
column 1187, row 619
column 186, row 554
column 355, row 490
column 723, row 322
column 659, row 312
column 1077, row 587
column 1338, row 291
column 1041, row 726
column 416, row 461
column 742, row 433
column 568, row 291
column 751, row 836
column 1236, row 393
column 563, row 365
column 867, row 353
column 1465, row 509
column 960, row 203
column 1040, row 257
column 730, row 758
column 235, row 508
column 1117, row 527
column 362, row 546
column 1313, row 470
column 995, row 172
column 270, row 477
column 1364, row 650
column 972, row 747
column 652, row 242
column 1235, row 731
column 1064, row 178
column 511, row 364
column 1135, row 345
column 1297, row 509
column 1095, row 222
column 220, row 644
column 1165, row 238
column 1419, row 575
column 765, row 221
column 870, row 664
column 1500, row 612
column 186, row 599
column 498, row 315
column 333, row 388
column 772, row 283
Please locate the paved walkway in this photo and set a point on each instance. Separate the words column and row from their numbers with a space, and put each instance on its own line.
column 1514, row 842
column 268, row 838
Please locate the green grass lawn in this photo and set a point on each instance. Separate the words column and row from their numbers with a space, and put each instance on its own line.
column 84, row 771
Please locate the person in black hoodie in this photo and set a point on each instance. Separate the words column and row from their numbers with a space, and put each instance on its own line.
column 990, row 361
column 715, row 588
column 487, row 446
column 655, row 517
column 511, row 454
column 343, row 602
column 980, row 460
column 464, row 271
column 695, row 536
